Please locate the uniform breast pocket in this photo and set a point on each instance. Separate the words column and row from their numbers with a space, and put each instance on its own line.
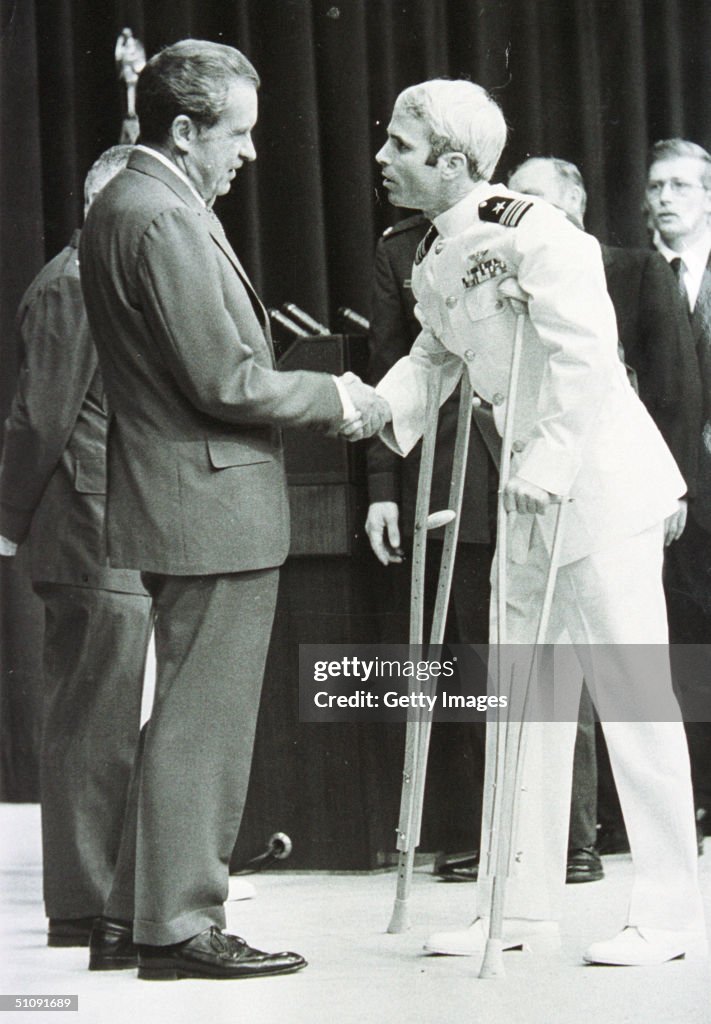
column 228, row 454
column 483, row 302
column 90, row 475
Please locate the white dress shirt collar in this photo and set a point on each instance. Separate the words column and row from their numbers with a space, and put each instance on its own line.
column 461, row 216
column 174, row 168
column 694, row 260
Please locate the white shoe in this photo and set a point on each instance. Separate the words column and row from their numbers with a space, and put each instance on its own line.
column 519, row 933
column 638, row 947
column 240, row 889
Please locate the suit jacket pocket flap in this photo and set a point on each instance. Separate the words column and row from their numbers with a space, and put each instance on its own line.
column 90, row 475
column 224, row 454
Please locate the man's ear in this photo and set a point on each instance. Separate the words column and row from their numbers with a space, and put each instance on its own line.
column 182, row 132
column 453, row 165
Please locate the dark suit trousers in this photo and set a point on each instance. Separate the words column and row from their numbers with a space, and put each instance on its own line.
column 190, row 780
column 583, row 802
column 94, row 658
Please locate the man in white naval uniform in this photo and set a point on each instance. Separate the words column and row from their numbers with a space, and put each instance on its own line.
column 581, row 432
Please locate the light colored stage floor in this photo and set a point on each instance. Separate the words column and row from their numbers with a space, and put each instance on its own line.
column 357, row 973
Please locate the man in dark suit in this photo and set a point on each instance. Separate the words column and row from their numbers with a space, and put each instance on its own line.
column 97, row 619
column 678, row 200
column 197, row 500
column 456, row 761
column 656, row 345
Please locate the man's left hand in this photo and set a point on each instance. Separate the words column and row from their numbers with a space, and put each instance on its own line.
column 675, row 523
column 522, row 496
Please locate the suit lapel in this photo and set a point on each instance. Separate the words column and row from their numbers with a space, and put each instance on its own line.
column 217, row 232
column 701, row 317
column 148, row 164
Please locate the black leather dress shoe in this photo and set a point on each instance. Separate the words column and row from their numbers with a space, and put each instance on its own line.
column 212, row 954
column 457, row 867
column 69, row 931
column 111, row 947
column 584, row 865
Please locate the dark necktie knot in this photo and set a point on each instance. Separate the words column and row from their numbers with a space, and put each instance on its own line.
column 426, row 243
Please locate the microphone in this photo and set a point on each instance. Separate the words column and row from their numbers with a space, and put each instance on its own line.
column 304, row 319
column 293, row 329
column 354, row 319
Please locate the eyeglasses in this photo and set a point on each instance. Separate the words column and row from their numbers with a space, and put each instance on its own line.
column 676, row 187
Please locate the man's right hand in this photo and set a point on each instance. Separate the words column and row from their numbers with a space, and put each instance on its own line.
column 374, row 411
column 383, row 531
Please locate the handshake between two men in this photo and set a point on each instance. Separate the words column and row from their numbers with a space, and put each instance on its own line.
column 370, row 411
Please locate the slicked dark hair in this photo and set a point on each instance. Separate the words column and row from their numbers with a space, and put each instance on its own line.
column 190, row 77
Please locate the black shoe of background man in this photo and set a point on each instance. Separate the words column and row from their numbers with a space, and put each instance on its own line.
column 111, row 947
column 212, row 954
column 69, row 931
column 584, row 865
column 457, row 867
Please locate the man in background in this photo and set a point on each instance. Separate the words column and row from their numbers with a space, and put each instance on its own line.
column 678, row 203
column 97, row 619
column 656, row 343
column 456, row 759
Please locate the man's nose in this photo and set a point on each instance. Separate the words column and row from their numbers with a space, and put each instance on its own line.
column 666, row 191
column 247, row 150
column 381, row 156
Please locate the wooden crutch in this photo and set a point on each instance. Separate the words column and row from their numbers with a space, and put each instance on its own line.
column 511, row 753
column 510, row 735
column 418, row 730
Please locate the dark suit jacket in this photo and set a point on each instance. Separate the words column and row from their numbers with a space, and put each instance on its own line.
column 654, row 332
column 393, row 329
column 196, row 476
column 701, row 329
column 53, row 470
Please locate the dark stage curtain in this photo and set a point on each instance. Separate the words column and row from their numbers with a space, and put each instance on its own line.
column 593, row 81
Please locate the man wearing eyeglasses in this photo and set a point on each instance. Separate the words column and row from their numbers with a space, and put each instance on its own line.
column 678, row 201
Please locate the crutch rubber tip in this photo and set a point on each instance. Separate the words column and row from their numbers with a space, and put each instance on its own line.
column 280, row 845
column 437, row 519
column 492, row 966
column 400, row 921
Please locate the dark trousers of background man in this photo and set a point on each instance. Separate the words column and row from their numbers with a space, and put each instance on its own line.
column 94, row 660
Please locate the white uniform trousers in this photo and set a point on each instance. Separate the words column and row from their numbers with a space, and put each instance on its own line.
column 613, row 597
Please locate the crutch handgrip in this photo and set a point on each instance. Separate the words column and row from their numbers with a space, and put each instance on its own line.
column 437, row 519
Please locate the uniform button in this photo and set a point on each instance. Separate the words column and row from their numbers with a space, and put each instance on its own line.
column 497, row 399
column 499, row 304
column 469, row 355
column 451, row 301
column 518, row 446
column 438, row 247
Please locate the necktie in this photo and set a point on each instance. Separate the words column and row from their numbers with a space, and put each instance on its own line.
column 677, row 265
column 426, row 243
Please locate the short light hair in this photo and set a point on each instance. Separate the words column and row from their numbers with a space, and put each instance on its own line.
column 103, row 170
column 671, row 149
column 461, row 118
column 565, row 170
column 191, row 77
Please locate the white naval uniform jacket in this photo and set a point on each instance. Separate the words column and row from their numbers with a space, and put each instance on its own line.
column 579, row 428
